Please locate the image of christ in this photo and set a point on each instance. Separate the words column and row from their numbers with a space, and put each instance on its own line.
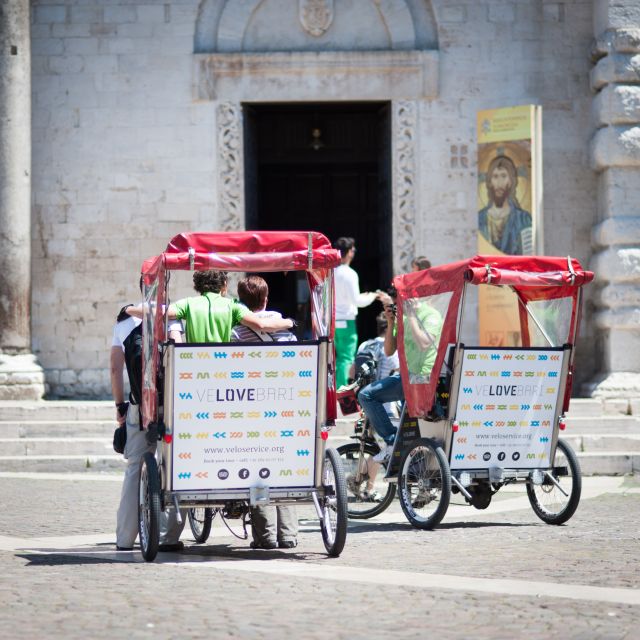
column 503, row 222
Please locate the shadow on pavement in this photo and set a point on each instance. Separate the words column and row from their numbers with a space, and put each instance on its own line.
column 355, row 529
column 56, row 558
column 42, row 557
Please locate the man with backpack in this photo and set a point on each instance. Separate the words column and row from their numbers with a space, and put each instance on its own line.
column 126, row 350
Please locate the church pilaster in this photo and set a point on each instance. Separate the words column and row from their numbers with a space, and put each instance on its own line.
column 615, row 156
column 20, row 375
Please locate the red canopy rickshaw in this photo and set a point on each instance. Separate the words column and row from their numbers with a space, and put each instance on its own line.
column 267, row 451
column 488, row 415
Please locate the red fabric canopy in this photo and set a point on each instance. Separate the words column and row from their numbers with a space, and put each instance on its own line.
column 531, row 277
column 535, row 277
column 246, row 251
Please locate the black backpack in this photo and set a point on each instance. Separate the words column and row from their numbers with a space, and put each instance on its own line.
column 366, row 360
column 133, row 359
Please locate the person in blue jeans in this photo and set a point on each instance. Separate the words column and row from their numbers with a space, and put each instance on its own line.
column 422, row 330
column 374, row 396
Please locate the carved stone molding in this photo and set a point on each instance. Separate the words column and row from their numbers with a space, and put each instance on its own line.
column 230, row 163
column 404, row 160
column 323, row 75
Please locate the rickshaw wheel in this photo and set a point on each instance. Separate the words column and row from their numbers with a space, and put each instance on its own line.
column 200, row 523
column 424, row 483
column 333, row 504
column 359, row 508
column 547, row 501
column 149, row 507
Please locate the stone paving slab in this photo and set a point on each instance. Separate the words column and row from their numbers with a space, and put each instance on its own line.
column 492, row 574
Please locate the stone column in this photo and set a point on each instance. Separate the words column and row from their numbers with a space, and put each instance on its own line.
column 20, row 376
column 615, row 156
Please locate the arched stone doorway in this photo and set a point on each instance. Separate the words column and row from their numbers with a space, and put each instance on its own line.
column 389, row 56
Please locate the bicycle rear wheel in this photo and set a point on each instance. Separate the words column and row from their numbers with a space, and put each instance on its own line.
column 333, row 504
column 547, row 500
column 149, row 508
column 424, row 484
column 360, row 503
column 200, row 523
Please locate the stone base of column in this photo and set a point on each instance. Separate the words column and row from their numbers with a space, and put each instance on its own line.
column 616, row 384
column 21, row 378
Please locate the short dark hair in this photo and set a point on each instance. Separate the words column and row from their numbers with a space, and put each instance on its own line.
column 253, row 292
column 344, row 245
column 421, row 262
column 210, row 281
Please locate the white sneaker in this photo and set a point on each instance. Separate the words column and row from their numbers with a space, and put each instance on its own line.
column 384, row 453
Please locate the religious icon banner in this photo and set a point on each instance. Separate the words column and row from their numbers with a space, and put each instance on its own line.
column 509, row 202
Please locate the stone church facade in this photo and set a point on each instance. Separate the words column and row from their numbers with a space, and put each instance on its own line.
column 122, row 124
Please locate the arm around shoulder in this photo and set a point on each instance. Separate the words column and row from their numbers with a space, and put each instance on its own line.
column 269, row 323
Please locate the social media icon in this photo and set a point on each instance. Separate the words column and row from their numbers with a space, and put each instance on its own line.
column 223, row 474
column 264, row 472
column 243, row 473
column 486, row 456
column 501, row 456
column 516, row 455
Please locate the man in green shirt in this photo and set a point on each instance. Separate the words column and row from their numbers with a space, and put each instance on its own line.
column 422, row 328
column 210, row 316
column 423, row 325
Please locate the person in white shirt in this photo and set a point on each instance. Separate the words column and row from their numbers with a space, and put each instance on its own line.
column 348, row 299
column 128, row 413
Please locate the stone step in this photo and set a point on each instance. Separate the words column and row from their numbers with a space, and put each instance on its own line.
column 630, row 443
column 71, row 463
column 602, row 406
column 608, row 463
column 56, row 410
column 56, row 446
column 610, row 424
column 57, row 429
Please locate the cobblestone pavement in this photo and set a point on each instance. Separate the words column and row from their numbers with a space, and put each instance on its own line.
column 495, row 574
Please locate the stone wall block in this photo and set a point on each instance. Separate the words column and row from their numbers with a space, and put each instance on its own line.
column 617, row 264
column 66, row 64
column 617, row 231
column 453, row 13
column 503, row 12
column 622, row 353
column 53, row 13
column 623, row 40
column 617, row 104
column 617, row 296
column 615, row 146
column 618, row 192
column 621, row 68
